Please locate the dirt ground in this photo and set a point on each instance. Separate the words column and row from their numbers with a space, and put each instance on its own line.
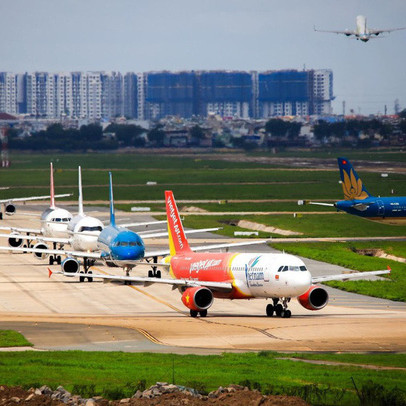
column 17, row 395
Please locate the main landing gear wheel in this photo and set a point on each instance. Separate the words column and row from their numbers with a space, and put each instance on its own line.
column 269, row 310
column 203, row 313
column 278, row 310
column 193, row 313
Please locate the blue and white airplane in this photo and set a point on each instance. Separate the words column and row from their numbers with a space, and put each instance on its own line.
column 359, row 202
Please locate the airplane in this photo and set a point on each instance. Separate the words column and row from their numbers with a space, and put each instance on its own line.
column 10, row 209
column 201, row 277
column 117, row 246
column 54, row 221
column 359, row 202
column 362, row 32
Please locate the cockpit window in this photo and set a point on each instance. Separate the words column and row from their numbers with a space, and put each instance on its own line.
column 303, row 268
column 293, row 268
column 88, row 228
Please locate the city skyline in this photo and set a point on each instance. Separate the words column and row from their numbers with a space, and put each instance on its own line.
column 139, row 36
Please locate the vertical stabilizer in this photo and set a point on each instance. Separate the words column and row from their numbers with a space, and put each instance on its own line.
column 112, row 214
column 177, row 239
column 80, row 200
column 52, row 190
column 353, row 187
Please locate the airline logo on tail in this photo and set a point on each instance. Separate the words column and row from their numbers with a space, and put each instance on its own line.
column 352, row 184
column 177, row 238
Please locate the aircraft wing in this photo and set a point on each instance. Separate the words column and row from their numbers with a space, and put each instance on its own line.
column 304, row 202
column 147, row 223
column 37, row 238
column 347, row 276
column 165, row 252
column 377, row 32
column 346, row 32
column 26, row 199
column 165, row 233
column 80, row 254
column 139, row 280
column 21, row 230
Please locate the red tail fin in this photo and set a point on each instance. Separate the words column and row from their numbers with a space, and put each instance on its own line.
column 177, row 239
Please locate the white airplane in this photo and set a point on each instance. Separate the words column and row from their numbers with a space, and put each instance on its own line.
column 362, row 32
column 9, row 207
column 201, row 277
column 54, row 221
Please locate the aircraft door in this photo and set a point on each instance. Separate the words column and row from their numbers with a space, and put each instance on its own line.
column 381, row 208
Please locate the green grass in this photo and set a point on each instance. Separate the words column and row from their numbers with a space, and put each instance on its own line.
column 394, row 288
column 118, row 374
column 11, row 338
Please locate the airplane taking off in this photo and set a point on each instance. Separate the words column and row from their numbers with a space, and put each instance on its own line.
column 358, row 201
column 201, row 277
column 362, row 32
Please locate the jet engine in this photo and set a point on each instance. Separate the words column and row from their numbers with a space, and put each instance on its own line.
column 15, row 242
column 70, row 265
column 198, row 298
column 9, row 209
column 314, row 299
column 40, row 255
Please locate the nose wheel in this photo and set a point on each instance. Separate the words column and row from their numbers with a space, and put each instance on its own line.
column 280, row 309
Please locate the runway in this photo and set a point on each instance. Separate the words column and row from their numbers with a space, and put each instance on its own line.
column 61, row 313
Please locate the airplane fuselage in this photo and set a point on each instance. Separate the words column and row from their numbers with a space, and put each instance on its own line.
column 251, row 275
column 120, row 244
column 390, row 210
column 84, row 231
column 54, row 222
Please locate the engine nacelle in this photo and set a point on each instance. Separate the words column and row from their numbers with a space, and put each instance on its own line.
column 15, row 242
column 70, row 265
column 314, row 299
column 40, row 255
column 198, row 298
column 9, row 209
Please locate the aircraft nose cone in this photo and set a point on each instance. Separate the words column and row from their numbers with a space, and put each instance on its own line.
column 128, row 253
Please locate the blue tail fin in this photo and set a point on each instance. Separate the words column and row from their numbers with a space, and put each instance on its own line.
column 112, row 214
column 353, row 187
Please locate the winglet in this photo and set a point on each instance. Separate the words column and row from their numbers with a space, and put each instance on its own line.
column 49, row 273
column 389, row 269
column 52, row 190
column 80, row 199
column 112, row 214
column 177, row 238
column 353, row 187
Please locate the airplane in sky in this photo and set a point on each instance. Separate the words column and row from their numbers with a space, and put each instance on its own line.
column 9, row 207
column 362, row 32
column 358, row 201
column 201, row 277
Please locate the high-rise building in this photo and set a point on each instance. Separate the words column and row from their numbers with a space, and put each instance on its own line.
column 8, row 93
column 153, row 95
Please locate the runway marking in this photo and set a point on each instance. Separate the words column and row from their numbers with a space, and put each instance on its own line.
column 147, row 294
column 149, row 336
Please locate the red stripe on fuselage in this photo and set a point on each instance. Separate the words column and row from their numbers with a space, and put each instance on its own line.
column 206, row 267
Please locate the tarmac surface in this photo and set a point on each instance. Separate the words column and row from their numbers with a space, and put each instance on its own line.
column 62, row 314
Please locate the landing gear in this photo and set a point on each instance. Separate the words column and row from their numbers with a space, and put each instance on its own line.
column 154, row 273
column 195, row 313
column 280, row 309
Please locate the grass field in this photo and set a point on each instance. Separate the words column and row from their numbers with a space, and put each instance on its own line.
column 116, row 375
column 11, row 338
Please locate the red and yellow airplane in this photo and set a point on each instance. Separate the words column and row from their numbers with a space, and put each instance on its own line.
column 201, row 277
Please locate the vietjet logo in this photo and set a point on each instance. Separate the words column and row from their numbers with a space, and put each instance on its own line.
column 172, row 216
column 204, row 264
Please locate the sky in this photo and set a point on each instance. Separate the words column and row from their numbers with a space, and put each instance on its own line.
column 152, row 35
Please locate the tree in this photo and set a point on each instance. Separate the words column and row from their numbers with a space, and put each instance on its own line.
column 156, row 136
